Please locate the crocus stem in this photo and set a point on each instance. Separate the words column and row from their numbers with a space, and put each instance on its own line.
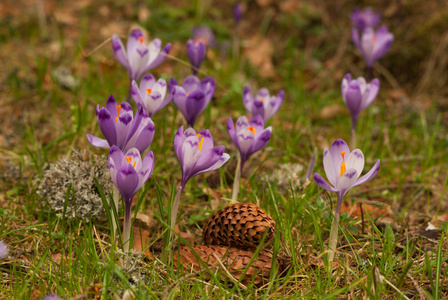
column 174, row 210
column 236, row 181
column 334, row 231
column 116, row 196
column 353, row 138
column 127, row 228
column 369, row 73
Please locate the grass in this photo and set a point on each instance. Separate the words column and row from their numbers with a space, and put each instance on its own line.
column 42, row 121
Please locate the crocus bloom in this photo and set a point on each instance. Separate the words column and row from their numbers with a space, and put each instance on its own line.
column 51, row 297
column 238, row 12
column 121, row 129
column 358, row 94
column 3, row 250
column 151, row 94
column 262, row 104
column 138, row 57
column 372, row 44
column 192, row 97
column 196, row 53
column 196, row 153
column 366, row 18
column 206, row 35
column 248, row 136
column 129, row 173
column 343, row 169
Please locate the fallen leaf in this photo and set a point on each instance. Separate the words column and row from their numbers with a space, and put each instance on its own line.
column 260, row 55
column 331, row 111
column 141, row 238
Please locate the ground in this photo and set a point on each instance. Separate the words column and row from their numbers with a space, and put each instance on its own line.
column 57, row 65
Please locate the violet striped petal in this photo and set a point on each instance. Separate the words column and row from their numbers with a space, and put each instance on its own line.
column 320, row 181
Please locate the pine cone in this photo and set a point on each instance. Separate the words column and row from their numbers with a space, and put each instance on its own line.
column 234, row 259
column 240, row 224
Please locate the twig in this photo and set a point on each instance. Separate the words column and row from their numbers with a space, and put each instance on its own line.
column 233, row 279
column 394, row 287
column 417, row 287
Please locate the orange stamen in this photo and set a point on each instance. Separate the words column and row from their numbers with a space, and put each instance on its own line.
column 188, row 94
column 149, row 91
column 248, row 117
column 261, row 100
column 200, row 144
column 129, row 159
column 251, row 128
column 134, row 164
column 118, row 112
column 343, row 167
column 141, row 39
column 198, row 135
column 374, row 38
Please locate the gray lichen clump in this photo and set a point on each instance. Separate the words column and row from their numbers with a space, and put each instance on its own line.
column 78, row 172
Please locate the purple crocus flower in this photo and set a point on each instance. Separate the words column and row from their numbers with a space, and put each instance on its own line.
column 121, row 129
column 138, row 57
column 238, row 12
column 343, row 169
column 205, row 34
column 196, row 153
column 196, row 53
column 151, row 94
column 129, row 173
column 366, row 18
column 372, row 44
column 248, row 136
column 263, row 104
column 3, row 250
column 358, row 94
column 192, row 97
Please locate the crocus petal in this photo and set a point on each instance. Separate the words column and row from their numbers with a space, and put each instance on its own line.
column 134, row 41
column 260, row 142
column 127, row 182
column 258, row 108
column 241, row 123
column 107, row 126
column 355, row 161
column 207, row 143
column 179, row 98
column 332, row 171
column 208, row 86
column 111, row 106
column 206, row 159
column 136, row 160
column 144, row 136
column 191, row 84
column 195, row 104
column 231, row 131
column 97, row 142
column 336, row 149
column 189, row 153
column 355, row 38
column 248, row 99
column 160, row 58
column 347, row 180
column 114, row 161
column 245, row 139
column 353, row 99
column 123, row 124
column 148, row 81
column 372, row 91
column 146, row 170
column 224, row 158
column 369, row 175
column 135, row 93
column 119, row 51
column 320, row 181
column 257, row 123
column 178, row 140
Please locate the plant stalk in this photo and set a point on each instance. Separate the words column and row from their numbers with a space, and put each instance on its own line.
column 334, row 231
column 174, row 211
column 236, row 181
column 127, row 228
column 353, row 138
column 116, row 198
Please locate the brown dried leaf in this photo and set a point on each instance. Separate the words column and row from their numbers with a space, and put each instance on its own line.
column 260, row 55
column 331, row 111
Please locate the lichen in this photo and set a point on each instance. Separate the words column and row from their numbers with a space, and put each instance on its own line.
column 77, row 173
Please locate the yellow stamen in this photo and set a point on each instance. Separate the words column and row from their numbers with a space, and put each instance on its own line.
column 129, row 159
column 200, row 144
column 149, row 91
column 118, row 112
column 343, row 167
column 134, row 164
column 141, row 39
column 251, row 128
